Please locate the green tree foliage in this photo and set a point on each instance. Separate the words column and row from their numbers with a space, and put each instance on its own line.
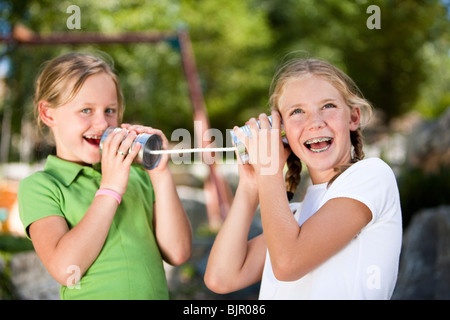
column 388, row 64
column 238, row 45
column 232, row 42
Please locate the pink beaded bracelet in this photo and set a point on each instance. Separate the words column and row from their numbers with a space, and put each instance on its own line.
column 111, row 193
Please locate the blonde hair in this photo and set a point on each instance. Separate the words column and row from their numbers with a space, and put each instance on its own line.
column 62, row 78
column 299, row 68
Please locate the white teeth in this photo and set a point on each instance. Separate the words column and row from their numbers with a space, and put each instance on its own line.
column 320, row 150
column 316, row 140
column 93, row 137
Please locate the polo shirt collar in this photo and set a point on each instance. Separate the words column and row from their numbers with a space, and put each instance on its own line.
column 66, row 171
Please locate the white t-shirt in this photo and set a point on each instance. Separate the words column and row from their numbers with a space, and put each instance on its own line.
column 367, row 267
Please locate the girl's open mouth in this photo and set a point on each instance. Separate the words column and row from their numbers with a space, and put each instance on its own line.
column 319, row 144
column 93, row 140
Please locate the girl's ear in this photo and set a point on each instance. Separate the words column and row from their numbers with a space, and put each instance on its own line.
column 355, row 118
column 46, row 114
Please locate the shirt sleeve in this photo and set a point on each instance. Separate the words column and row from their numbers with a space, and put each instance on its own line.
column 296, row 208
column 38, row 197
column 371, row 182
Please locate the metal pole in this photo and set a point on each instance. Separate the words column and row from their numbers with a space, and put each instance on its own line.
column 217, row 211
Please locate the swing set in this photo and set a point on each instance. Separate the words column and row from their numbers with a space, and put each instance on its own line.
column 217, row 194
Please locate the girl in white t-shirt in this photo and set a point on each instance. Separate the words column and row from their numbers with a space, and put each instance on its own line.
column 344, row 240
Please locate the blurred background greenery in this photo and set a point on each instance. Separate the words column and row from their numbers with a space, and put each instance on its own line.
column 402, row 67
column 238, row 45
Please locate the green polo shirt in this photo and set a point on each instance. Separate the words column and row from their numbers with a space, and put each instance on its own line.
column 129, row 265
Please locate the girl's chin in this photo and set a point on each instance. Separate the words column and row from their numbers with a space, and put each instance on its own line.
column 93, row 155
column 316, row 158
column 92, row 159
column 318, row 163
column 95, row 160
column 84, row 157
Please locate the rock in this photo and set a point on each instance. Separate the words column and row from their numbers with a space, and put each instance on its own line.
column 30, row 279
column 429, row 144
column 425, row 261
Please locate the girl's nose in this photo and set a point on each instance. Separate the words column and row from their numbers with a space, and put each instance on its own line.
column 316, row 121
column 100, row 122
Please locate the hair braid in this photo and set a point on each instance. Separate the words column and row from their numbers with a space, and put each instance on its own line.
column 292, row 177
column 357, row 142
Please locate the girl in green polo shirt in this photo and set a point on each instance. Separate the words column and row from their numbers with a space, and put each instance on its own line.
column 101, row 226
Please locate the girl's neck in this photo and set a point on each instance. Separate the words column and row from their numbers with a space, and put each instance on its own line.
column 77, row 162
column 319, row 177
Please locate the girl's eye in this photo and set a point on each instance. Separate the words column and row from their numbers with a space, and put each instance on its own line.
column 86, row 111
column 110, row 111
column 329, row 105
column 297, row 111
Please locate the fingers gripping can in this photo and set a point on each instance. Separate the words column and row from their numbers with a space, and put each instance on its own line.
column 148, row 142
column 240, row 146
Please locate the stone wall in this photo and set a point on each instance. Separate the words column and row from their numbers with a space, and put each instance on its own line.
column 30, row 279
column 425, row 260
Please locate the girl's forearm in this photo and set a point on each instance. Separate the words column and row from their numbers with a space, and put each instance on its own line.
column 281, row 230
column 294, row 250
column 226, row 263
column 62, row 250
column 172, row 227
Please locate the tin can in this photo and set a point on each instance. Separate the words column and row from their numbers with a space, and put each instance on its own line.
column 148, row 143
column 240, row 146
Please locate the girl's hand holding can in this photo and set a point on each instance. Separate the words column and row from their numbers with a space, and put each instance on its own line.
column 117, row 158
column 160, row 164
column 266, row 151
